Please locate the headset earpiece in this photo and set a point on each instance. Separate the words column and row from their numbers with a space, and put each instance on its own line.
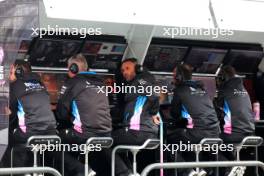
column 74, row 68
column 179, row 74
column 223, row 76
column 138, row 68
column 19, row 72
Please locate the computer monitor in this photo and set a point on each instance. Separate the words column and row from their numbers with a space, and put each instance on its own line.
column 164, row 58
column 53, row 52
column 205, row 60
column 103, row 55
column 244, row 61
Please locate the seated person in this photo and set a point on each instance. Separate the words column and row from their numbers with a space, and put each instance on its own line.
column 87, row 107
column 139, row 112
column 30, row 104
column 193, row 113
column 234, row 110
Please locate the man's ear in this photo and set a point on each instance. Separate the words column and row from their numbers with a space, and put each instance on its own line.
column 71, row 75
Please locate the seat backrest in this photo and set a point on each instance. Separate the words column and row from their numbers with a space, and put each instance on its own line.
column 251, row 141
column 211, row 141
column 44, row 140
column 151, row 144
column 208, row 142
column 104, row 142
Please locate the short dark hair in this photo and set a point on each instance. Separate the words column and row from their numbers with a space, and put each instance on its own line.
column 229, row 71
column 25, row 65
column 186, row 71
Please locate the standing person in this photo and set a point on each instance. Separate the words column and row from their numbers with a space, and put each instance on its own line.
column 30, row 105
column 235, row 113
column 139, row 113
column 193, row 112
column 86, row 108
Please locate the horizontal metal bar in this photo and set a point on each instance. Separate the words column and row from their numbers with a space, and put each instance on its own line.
column 65, row 70
column 26, row 170
column 176, row 165
column 161, row 73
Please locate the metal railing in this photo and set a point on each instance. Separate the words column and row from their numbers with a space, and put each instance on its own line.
column 134, row 149
column 27, row 170
column 200, row 164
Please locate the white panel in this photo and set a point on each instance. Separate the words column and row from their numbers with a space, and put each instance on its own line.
column 165, row 12
column 242, row 15
column 182, row 13
column 107, row 28
column 139, row 40
column 238, row 36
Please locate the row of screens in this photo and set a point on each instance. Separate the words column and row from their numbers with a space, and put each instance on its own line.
column 203, row 60
column 55, row 53
column 106, row 55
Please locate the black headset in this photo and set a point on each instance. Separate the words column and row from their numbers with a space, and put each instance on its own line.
column 223, row 77
column 74, row 68
column 22, row 67
column 19, row 72
column 138, row 68
column 179, row 73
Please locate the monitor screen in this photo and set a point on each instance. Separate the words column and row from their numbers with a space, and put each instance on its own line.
column 205, row 60
column 164, row 58
column 244, row 61
column 53, row 53
column 103, row 55
column 91, row 47
column 118, row 48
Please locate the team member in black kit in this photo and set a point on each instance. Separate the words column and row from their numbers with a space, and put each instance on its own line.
column 30, row 102
column 192, row 110
column 85, row 107
column 138, row 114
column 234, row 110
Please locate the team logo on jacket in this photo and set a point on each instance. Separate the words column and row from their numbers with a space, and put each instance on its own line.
column 197, row 91
column 240, row 92
column 142, row 81
column 33, row 86
column 88, row 84
column 63, row 89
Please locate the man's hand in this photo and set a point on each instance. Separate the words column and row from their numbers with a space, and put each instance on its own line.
column 156, row 119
